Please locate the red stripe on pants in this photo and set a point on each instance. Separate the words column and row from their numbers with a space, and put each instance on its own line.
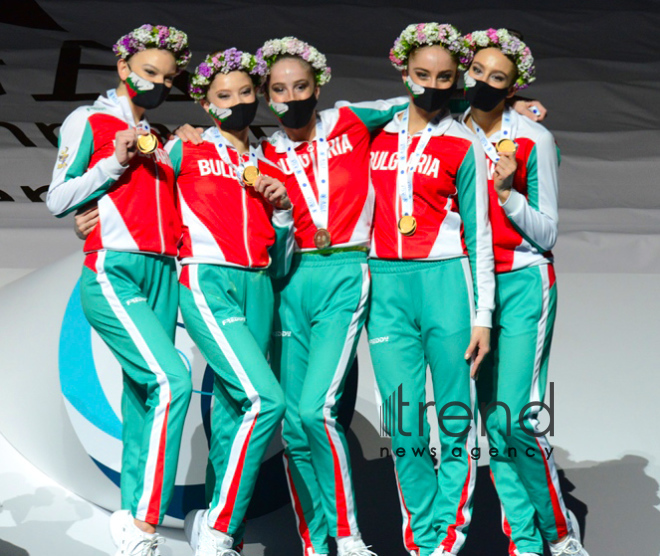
column 408, row 537
column 560, row 519
column 303, row 530
column 343, row 528
column 222, row 523
column 506, row 528
column 153, row 513
column 450, row 539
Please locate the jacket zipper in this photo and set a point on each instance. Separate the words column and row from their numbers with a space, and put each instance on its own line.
column 160, row 217
column 245, row 227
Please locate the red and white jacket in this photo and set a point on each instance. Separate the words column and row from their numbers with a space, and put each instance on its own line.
column 450, row 205
column 525, row 226
column 137, row 202
column 348, row 131
column 223, row 222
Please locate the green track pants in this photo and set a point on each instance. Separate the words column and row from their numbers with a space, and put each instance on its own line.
column 421, row 314
column 322, row 307
column 131, row 300
column 228, row 313
column 515, row 374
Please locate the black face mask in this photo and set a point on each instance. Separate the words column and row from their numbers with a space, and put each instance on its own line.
column 428, row 98
column 295, row 113
column 483, row 96
column 144, row 93
column 236, row 117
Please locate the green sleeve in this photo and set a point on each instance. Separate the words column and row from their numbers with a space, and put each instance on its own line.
column 471, row 185
column 176, row 155
column 466, row 186
column 281, row 252
column 376, row 114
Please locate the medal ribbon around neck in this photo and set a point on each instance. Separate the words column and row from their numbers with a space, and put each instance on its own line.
column 126, row 112
column 505, row 130
column 406, row 168
column 318, row 210
column 221, row 147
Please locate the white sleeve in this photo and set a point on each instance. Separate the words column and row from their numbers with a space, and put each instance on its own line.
column 73, row 183
column 536, row 216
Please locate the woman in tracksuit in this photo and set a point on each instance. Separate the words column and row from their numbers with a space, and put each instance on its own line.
column 523, row 215
column 322, row 304
column 231, row 220
column 431, row 265
column 108, row 154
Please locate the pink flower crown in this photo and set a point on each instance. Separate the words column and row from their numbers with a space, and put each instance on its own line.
column 511, row 46
column 429, row 34
column 273, row 49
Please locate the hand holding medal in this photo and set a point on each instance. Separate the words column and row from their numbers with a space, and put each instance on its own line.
column 505, row 168
column 129, row 141
column 126, row 145
column 272, row 190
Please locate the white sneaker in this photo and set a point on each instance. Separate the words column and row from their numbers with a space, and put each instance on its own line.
column 571, row 545
column 353, row 546
column 202, row 540
column 568, row 547
column 130, row 540
column 574, row 525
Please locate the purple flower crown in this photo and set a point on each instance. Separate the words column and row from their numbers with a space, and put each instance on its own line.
column 429, row 34
column 154, row 36
column 511, row 46
column 224, row 62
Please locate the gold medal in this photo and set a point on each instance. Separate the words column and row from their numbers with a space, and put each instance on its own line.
column 506, row 146
column 407, row 225
column 250, row 175
column 147, row 144
column 322, row 238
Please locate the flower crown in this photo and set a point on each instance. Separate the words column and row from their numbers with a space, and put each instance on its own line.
column 225, row 62
column 510, row 46
column 273, row 49
column 154, row 36
column 429, row 34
